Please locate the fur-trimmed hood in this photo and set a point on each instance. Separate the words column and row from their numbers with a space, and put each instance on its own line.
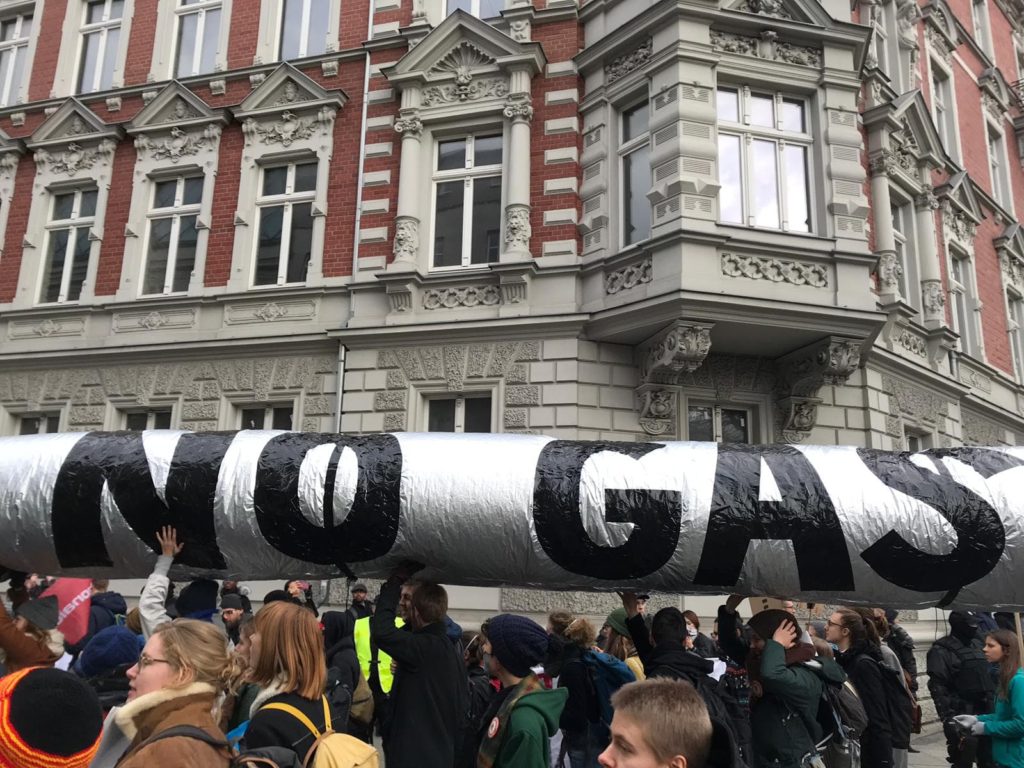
column 131, row 716
column 276, row 688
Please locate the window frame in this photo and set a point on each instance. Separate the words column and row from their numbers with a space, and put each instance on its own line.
column 176, row 213
column 150, row 414
column 103, row 27
column 963, row 295
column 202, row 8
column 949, row 128
column 626, row 148
column 981, row 26
column 72, row 224
column 305, row 33
column 288, row 199
column 469, row 173
column 747, row 133
column 1015, row 327
column 757, row 409
column 460, row 399
column 45, row 419
column 268, row 409
column 12, row 93
column 904, row 234
column 998, row 165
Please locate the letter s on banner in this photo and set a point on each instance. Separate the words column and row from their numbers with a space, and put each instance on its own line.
column 369, row 530
column 655, row 514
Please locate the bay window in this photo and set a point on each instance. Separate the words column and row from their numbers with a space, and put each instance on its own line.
column 14, row 36
column 467, row 201
column 198, row 36
column 764, row 145
column 635, row 170
column 68, row 245
column 101, row 35
column 285, row 232
column 173, row 235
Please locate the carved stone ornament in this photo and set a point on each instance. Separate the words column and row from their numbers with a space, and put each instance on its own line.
column 628, row 277
column 679, row 349
column 933, row 297
column 912, row 342
column 889, row 271
column 75, row 158
column 519, row 30
column 270, row 311
column 623, row 65
column 927, row 199
column 461, row 296
column 461, row 61
column 775, row 270
column 153, row 320
column 178, row 144
column 732, row 43
column 470, row 90
column 289, row 128
column 518, row 110
column 1013, row 270
column 801, row 375
column 884, row 162
column 409, row 125
column 517, row 227
column 959, row 225
column 907, row 15
column 657, row 409
column 774, row 8
column 407, row 239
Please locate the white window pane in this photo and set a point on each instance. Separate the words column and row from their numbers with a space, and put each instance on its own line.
column 305, row 177
column 116, row 9
column 268, row 250
column 701, row 423
column 187, row 28
column 193, row 190
column 6, row 65
column 156, row 259
column 762, row 111
column 636, row 176
column 730, row 196
column 211, row 38
column 486, row 242
column 300, row 244
column 63, row 205
column 486, row 150
column 275, row 180
column 87, row 203
column 291, row 29
column 635, row 122
column 793, row 118
column 451, row 155
column 79, row 264
column 94, row 11
column 797, row 204
column 164, row 192
column 55, row 256
column 459, row 5
column 490, row 9
column 17, row 82
column 90, row 60
column 448, row 219
column 764, row 180
column 728, row 105
column 185, row 259
column 316, row 39
column 110, row 58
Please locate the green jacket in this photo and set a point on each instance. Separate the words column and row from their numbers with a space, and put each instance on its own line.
column 784, row 720
column 1006, row 725
column 534, row 720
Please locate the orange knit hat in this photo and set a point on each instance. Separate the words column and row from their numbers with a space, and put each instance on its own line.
column 48, row 719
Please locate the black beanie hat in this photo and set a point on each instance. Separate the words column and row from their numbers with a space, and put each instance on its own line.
column 517, row 642
column 765, row 623
column 48, row 719
column 42, row 613
column 198, row 598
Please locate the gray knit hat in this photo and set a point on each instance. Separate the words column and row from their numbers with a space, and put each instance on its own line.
column 42, row 612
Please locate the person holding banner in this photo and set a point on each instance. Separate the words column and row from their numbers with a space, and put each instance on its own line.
column 1005, row 726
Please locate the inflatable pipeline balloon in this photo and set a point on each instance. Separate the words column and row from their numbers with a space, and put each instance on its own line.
column 836, row 524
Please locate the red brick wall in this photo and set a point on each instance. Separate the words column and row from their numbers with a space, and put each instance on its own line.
column 17, row 223
column 108, row 273
column 225, row 202
column 140, row 47
column 44, row 65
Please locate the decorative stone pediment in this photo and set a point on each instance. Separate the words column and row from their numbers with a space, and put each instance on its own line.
column 287, row 89
column 996, row 93
column 940, row 28
column 72, row 122
column 465, row 59
column 961, row 212
column 911, row 138
column 787, row 10
column 176, row 125
column 1010, row 248
column 800, row 376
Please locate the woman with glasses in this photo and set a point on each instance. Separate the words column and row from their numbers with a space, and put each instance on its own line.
column 178, row 681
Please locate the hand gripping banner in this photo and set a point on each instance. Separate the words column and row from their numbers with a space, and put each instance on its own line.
column 835, row 524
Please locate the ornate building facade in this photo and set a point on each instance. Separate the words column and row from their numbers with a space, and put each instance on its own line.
column 737, row 220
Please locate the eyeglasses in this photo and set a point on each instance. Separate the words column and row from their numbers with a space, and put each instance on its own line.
column 833, row 624
column 148, row 661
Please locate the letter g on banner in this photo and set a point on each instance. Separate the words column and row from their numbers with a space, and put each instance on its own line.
column 656, row 515
column 369, row 530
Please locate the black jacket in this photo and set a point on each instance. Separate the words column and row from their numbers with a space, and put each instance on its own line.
column 705, row 647
column 430, row 697
column 943, row 668
column 272, row 728
column 481, row 698
column 862, row 665
column 340, row 647
column 902, row 644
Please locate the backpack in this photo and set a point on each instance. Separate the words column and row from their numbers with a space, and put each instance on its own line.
column 361, row 709
column 973, row 681
column 842, row 719
column 900, row 703
column 330, row 748
column 606, row 674
column 267, row 757
column 723, row 707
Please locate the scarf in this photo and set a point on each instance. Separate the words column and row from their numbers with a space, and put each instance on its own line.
column 491, row 744
column 798, row 654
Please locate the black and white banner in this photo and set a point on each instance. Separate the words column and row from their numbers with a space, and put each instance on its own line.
column 814, row 523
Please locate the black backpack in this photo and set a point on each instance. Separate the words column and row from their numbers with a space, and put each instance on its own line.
column 973, row 680
column 266, row 757
column 722, row 706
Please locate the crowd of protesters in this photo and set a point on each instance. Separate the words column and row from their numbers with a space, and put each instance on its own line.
column 198, row 679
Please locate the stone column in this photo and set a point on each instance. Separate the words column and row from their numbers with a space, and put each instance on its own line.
column 407, row 219
column 933, row 299
column 519, row 110
column 889, row 269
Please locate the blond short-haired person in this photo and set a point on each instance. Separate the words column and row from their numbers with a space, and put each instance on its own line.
column 658, row 723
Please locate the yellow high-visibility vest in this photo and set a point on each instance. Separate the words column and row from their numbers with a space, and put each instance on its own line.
column 365, row 654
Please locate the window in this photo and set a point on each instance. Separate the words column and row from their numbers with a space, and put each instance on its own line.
column 14, row 34
column 101, row 33
column 998, row 163
column 467, row 201
column 138, row 421
column 258, row 416
column 1015, row 306
column 764, row 145
column 942, row 109
column 720, row 423
column 982, row 30
column 198, row 33
column 915, row 440
column 635, row 169
column 40, row 424
column 471, row 413
column 482, row 9
column 68, row 246
column 962, row 296
column 906, row 253
column 304, row 24
column 171, row 251
column 285, row 239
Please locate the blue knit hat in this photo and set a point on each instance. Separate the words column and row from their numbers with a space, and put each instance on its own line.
column 109, row 648
column 517, row 642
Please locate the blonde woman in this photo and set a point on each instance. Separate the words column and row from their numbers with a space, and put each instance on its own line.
column 182, row 672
